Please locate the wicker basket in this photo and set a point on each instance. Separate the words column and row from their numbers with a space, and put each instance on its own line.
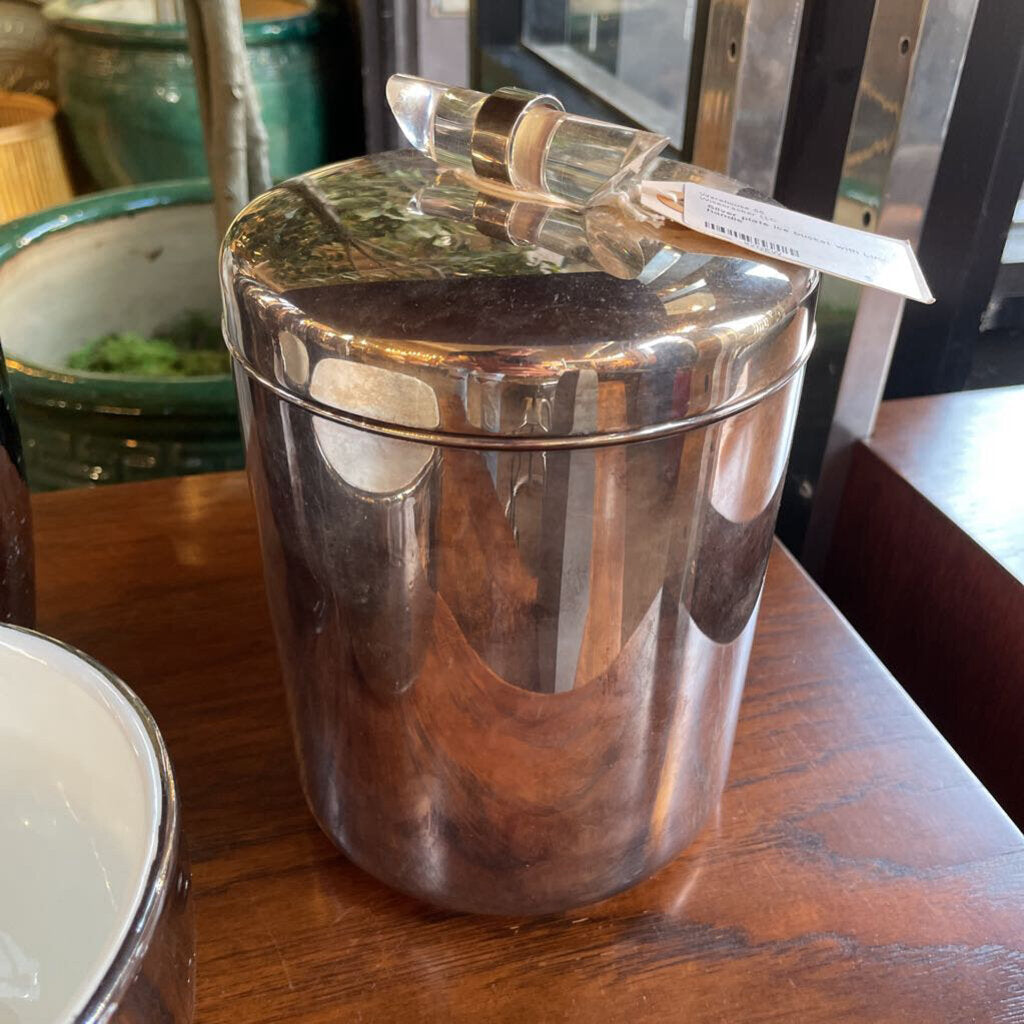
column 32, row 170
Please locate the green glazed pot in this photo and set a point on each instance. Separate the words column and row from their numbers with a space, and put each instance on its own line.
column 129, row 259
column 128, row 91
column 26, row 49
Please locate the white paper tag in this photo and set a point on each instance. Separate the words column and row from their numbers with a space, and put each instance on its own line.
column 860, row 256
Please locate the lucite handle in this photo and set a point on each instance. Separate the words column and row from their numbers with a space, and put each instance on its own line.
column 522, row 139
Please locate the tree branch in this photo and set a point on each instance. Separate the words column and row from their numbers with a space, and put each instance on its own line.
column 197, row 48
column 233, row 131
column 227, row 62
column 256, row 140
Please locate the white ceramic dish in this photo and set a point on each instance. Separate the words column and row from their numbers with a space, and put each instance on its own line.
column 94, row 922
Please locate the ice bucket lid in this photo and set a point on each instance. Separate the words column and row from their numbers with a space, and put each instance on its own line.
column 384, row 293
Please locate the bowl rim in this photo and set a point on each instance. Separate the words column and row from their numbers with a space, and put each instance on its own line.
column 107, row 389
column 127, row 960
column 63, row 15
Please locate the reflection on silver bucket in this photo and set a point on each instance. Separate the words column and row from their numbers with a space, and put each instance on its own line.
column 515, row 519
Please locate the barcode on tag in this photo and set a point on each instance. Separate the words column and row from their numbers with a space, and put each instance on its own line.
column 861, row 256
column 774, row 248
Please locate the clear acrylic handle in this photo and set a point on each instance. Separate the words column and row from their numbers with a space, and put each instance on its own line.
column 522, row 139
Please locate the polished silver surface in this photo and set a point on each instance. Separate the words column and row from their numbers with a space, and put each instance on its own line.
column 152, row 976
column 749, row 58
column 915, row 54
column 513, row 676
column 401, row 321
column 513, row 670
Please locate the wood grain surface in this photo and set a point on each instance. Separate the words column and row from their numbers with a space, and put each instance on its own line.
column 963, row 453
column 927, row 562
column 856, row 870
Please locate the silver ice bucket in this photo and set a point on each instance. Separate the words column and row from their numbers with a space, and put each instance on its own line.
column 516, row 470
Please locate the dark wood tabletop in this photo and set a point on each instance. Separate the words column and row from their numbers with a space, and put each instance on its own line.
column 856, row 871
column 927, row 562
column 963, row 453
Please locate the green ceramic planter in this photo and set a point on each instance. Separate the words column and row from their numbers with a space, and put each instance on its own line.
column 128, row 91
column 128, row 259
column 26, row 49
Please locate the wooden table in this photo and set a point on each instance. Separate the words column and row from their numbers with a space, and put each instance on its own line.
column 856, row 870
column 928, row 564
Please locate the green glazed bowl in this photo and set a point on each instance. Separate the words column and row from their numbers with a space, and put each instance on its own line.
column 127, row 89
column 125, row 260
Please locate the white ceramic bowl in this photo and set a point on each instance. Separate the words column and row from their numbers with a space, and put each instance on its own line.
column 95, row 923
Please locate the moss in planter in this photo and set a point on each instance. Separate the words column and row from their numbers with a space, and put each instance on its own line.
column 189, row 346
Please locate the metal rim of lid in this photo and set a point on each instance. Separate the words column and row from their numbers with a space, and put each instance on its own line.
column 495, row 125
column 526, row 442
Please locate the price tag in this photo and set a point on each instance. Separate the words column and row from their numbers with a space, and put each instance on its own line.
column 860, row 256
